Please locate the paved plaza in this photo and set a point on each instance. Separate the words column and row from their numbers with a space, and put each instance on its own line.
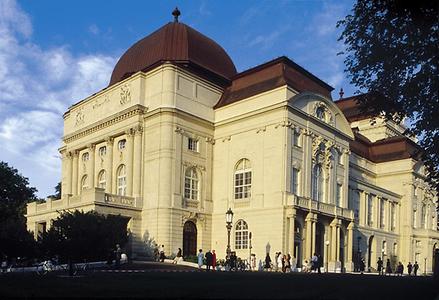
column 160, row 281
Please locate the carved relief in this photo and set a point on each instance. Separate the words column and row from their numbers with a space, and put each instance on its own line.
column 99, row 102
column 79, row 118
column 125, row 94
column 189, row 164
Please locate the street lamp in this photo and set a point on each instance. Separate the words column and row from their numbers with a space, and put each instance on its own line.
column 229, row 221
column 383, row 269
column 250, row 248
column 358, row 253
column 425, row 266
column 327, row 255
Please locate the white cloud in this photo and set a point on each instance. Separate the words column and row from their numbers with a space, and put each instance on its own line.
column 36, row 87
column 94, row 29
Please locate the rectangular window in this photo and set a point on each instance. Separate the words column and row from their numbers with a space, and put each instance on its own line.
column 296, row 138
column 294, row 181
column 369, row 210
column 243, row 183
column 121, row 186
column 415, row 219
column 382, row 212
column 339, row 191
column 192, row 144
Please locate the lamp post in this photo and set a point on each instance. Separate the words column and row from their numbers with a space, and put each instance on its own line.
column 250, row 249
column 229, row 221
column 383, row 270
column 327, row 255
column 425, row 266
column 358, row 253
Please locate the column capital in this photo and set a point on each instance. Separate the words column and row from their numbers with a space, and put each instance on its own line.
column 335, row 222
column 109, row 140
column 291, row 213
column 75, row 153
column 351, row 226
column 311, row 217
column 91, row 147
column 138, row 130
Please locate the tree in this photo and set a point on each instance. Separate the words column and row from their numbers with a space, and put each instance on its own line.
column 57, row 194
column 76, row 236
column 15, row 193
column 392, row 50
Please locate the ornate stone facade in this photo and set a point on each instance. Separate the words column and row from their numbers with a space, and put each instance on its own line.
column 172, row 150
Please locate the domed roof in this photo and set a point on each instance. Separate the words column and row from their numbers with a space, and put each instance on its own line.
column 178, row 43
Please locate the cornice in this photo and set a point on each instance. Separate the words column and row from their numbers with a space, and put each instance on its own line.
column 123, row 115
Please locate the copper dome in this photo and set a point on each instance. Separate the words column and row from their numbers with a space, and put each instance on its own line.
column 175, row 42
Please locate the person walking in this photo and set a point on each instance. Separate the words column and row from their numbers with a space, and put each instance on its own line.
column 162, row 253
column 267, row 265
column 179, row 257
column 117, row 254
column 279, row 262
column 200, row 257
column 276, row 256
column 415, row 268
column 380, row 266
column 288, row 263
column 213, row 260
column 388, row 267
column 409, row 268
column 208, row 257
column 362, row 265
column 314, row 262
column 400, row 269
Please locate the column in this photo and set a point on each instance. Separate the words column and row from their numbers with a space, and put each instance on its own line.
column 310, row 236
column 334, row 263
column 91, row 150
column 363, row 209
column 307, row 145
column 349, row 254
column 109, row 165
column 129, row 161
column 291, row 232
column 376, row 201
column 68, row 163
column 75, row 173
column 137, row 161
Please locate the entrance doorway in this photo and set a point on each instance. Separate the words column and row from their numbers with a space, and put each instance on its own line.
column 320, row 240
column 342, row 249
column 298, row 244
column 189, row 239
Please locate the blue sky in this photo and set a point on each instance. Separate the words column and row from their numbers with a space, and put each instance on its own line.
column 55, row 53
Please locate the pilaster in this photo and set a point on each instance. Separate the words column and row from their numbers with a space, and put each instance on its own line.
column 137, row 163
column 109, row 165
column 75, row 172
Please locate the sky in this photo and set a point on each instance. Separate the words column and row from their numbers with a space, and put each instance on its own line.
column 55, row 53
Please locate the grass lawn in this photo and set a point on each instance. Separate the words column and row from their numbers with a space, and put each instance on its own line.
column 218, row 286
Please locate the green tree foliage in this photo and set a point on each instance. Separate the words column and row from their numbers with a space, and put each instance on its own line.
column 83, row 235
column 392, row 50
column 57, row 194
column 15, row 193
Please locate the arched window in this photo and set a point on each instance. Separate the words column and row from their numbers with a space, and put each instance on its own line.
column 243, row 179
column 121, row 144
column 191, row 184
column 121, row 180
column 101, row 180
column 317, row 183
column 384, row 250
column 241, row 235
column 395, row 249
column 84, row 182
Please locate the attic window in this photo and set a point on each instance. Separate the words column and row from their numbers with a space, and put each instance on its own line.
column 320, row 113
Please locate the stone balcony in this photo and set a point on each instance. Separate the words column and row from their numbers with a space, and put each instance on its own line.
column 88, row 198
column 328, row 209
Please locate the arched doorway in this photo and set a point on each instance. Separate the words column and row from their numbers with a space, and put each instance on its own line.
column 370, row 253
column 298, row 244
column 189, row 239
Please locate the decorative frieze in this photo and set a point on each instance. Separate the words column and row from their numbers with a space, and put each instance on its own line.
column 189, row 164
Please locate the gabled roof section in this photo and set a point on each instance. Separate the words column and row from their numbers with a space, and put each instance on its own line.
column 278, row 72
column 350, row 107
column 390, row 149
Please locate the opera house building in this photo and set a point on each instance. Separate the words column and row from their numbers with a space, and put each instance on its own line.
column 179, row 136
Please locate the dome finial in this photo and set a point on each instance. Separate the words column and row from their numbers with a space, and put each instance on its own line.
column 176, row 13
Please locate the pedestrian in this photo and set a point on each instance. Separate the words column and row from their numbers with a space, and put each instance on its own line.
column 200, row 258
column 400, row 269
column 288, row 263
column 362, row 265
column 319, row 262
column 179, row 257
column 314, row 262
column 388, row 267
column 279, row 262
column 213, row 260
column 409, row 268
column 117, row 254
column 293, row 264
column 253, row 262
column 208, row 257
column 156, row 253
column 162, row 253
column 276, row 256
column 267, row 265
column 380, row 266
column 415, row 268
column 284, row 263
